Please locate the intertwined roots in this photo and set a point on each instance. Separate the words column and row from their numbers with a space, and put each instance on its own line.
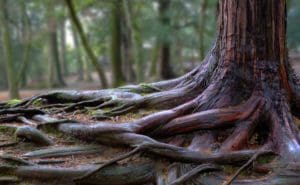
column 210, row 122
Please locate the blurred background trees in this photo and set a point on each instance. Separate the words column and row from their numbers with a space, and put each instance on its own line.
column 92, row 44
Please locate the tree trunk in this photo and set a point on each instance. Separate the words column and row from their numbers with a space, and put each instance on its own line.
column 154, row 59
column 252, row 48
column 64, row 64
column 127, row 51
column 26, row 46
column 135, row 39
column 9, row 65
column 78, row 55
column 165, row 69
column 202, row 28
column 56, row 77
column 85, row 44
column 116, row 43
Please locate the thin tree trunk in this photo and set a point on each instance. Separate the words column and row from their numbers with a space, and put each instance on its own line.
column 128, row 59
column 22, row 77
column 135, row 40
column 62, row 39
column 202, row 28
column 77, row 49
column 165, row 69
column 154, row 60
column 85, row 44
column 116, row 43
column 12, row 83
column 55, row 78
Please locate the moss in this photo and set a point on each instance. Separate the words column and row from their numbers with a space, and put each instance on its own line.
column 13, row 102
column 37, row 102
column 7, row 129
column 264, row 159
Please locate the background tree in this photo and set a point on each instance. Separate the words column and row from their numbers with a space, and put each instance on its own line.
column 9, row 64
column 116, row 43
column 55, row 74
column 165, row 69
column 86, row 45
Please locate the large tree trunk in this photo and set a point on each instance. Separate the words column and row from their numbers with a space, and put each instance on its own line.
column 253, row 51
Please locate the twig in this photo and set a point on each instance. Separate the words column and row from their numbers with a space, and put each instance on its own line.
column 234, row 176
column 9, row 144
column 112, row 161
column 193, row 172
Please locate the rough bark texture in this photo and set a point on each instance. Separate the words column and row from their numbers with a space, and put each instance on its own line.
column 236, row 106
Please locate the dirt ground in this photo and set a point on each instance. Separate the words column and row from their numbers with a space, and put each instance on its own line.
column 75, row 85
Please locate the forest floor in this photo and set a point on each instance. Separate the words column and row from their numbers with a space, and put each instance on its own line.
column 70, row 152
column 74, row 84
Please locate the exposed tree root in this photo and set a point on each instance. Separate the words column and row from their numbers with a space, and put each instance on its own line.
column 15, row 160
column 64, row 151
column 13, row 143
column 33, row 135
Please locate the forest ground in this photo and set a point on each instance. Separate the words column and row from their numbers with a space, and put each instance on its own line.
column 73, row 83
